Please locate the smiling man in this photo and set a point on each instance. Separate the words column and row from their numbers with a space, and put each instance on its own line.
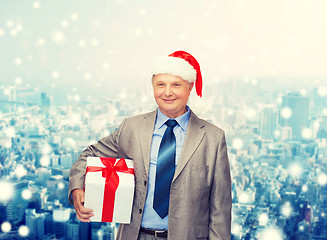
column 182, row 175
column 171, row 94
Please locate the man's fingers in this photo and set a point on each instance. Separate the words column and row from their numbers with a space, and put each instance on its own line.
column 83, row 219
column 83, row 214
column 82, row 197
column 79, row 197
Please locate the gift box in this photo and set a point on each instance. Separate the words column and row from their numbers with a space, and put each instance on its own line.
column 109, row 189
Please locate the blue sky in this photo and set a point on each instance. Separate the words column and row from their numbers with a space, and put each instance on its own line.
column 101, row 46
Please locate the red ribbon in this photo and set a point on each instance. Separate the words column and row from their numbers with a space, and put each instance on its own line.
column 112, row 181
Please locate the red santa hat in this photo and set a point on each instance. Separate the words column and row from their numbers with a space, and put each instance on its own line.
column 181, row 64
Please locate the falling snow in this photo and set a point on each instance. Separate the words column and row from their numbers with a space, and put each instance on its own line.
column 23, row 231
column 5, row 227
column 7, row 191
column 286, row 113
column 73, row 57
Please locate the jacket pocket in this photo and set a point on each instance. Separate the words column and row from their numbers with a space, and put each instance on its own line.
column 202, row 232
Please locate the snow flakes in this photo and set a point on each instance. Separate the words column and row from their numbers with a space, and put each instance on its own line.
column 27, row 194
column 46, row 149
column 18, row 61
column 58, row 37
column 236, row 229
column 142, row 11
column 7, row 191
column 13, row 32
column 95, row 42
column 244, row 197
column 55, row 74
column 272, row 234
column 303, row 92
column 295, row 170
column 10, row 23
column 45, row 161
column 322, row 179
column 322, row 91
column 61, row 185
column 250, row 113
column 106, row 65
column 10, row 132
column 100, row 233
column 138, row 31
column 306, row 133
column 23, row 231
column 40, row 42
column 87, row 76
column 286, row 209
column 18, row 81
column 5, row 227
column 76, row 98
column 286, row 113
column 263, row 219
column 74, row 16
column 19, row 27
column 64, row 24
column 81, row 43
column 237, row 143
column 36, row 5
column 20, row 171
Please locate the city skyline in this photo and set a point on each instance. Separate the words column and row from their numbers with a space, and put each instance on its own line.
column 102, row 46
column 279, row 179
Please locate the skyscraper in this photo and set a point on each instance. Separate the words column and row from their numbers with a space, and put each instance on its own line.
column 16, row 206
column 45, row 102
column 268, row 123
column 36, row 223
column 294, row 113
column 73, row 229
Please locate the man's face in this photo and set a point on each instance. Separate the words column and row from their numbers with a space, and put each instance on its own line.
column 171, row 94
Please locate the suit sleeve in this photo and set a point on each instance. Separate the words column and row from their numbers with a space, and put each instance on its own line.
column 105, row 147
column 220, row 196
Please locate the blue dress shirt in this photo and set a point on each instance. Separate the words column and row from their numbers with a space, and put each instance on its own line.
column 150, row 217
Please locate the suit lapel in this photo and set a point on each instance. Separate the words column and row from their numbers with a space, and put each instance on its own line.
column 194, row 135
column 145, row 137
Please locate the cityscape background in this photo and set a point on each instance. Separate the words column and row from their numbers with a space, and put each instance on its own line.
column 70, row 72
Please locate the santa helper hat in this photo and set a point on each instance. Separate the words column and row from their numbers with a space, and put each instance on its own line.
column 181, row 64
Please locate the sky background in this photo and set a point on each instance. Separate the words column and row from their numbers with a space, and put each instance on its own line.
column 99, row 47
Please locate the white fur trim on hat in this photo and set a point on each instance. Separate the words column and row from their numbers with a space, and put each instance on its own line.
column 175, row 66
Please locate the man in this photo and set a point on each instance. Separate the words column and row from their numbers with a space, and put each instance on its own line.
column 182, row 175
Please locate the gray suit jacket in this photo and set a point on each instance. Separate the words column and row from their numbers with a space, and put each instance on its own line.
column 200, row 198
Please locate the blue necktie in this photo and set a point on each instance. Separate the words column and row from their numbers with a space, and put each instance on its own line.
column 165, row 170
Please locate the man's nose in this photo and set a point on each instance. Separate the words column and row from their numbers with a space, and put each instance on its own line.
column 168, row 91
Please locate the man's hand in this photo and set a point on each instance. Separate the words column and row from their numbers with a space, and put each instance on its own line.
column 83, row 214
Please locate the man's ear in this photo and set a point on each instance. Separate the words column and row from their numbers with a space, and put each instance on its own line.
column 191, row 86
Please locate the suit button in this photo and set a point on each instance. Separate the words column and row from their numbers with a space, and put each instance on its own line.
column 144, row 183
column 140, row 210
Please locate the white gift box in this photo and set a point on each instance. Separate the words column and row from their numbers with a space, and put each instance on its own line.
column 121, row 205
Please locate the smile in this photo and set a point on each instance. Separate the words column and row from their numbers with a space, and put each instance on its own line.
column 168, row 100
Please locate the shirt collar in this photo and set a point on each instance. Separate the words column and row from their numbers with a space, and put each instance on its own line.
column 181, row 120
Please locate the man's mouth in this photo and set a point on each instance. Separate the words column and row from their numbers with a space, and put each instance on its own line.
column 169, row 100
